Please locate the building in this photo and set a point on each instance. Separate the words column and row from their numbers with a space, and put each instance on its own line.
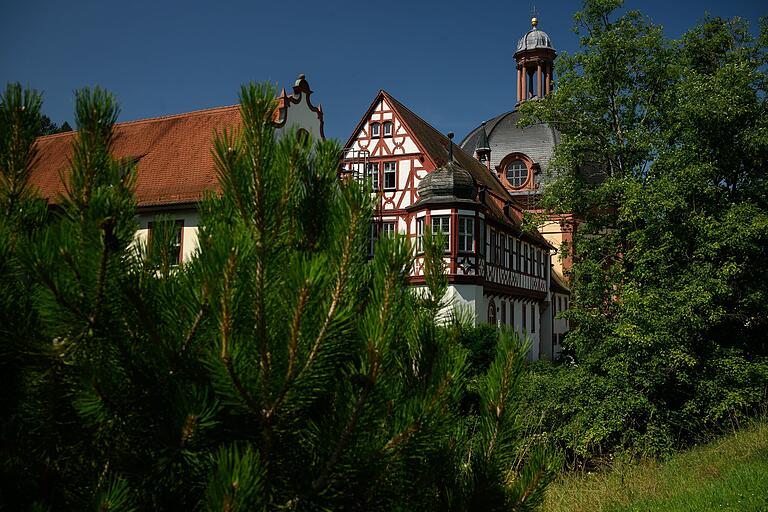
column 476, row 195
column 422, row 180
column 519, row 158
column 173, row 154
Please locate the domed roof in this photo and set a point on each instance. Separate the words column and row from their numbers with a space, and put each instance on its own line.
column 534, row 39
column 504, row 136
column 448, row 182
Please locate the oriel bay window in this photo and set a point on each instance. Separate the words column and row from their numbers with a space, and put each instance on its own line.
column 466, row 234
column 390, row 175
column 442, row 224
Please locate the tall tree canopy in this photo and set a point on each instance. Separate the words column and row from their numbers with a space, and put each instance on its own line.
column 664, row 163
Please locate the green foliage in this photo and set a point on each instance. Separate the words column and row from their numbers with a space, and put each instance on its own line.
column 725, row 474
column 480, row 340
column 279, row 368
column 663, row 163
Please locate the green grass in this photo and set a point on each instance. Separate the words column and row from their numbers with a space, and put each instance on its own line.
column 730, row 474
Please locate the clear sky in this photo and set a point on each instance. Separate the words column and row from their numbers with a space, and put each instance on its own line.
column 450, row 62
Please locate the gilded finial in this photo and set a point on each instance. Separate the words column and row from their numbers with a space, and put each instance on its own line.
column 534, row 22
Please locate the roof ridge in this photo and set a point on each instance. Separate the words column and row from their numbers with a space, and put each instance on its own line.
column 133, row 122
column 182, row 114
column 485, row 171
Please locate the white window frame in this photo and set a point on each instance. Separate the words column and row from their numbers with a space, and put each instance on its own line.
column 420, row 235
column 387, row 128
column 372, row 173
column 466, row 233
column 444, row 224
column 373, row 235
column 375, row 130
column 388, row 229
column 517, row 173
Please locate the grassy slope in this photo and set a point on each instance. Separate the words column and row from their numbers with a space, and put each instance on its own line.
column 729, row 474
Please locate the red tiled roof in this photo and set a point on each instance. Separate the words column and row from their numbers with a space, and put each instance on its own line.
column 175, row 164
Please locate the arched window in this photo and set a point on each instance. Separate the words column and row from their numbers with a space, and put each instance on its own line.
column 517, row 173
column 491, row 312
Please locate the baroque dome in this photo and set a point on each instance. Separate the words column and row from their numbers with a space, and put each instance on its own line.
column 534, row 39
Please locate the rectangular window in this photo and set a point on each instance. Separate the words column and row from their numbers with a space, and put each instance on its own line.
column 442, row 224
column 513, row 255
column 373, row 235
column 388, row 229
column 388, row 129
column 526, row 259
column 174, row 239
column 507, row 241
column 525, row 323
column 390, row 175
column 519, row 257
column 420, row 235
column 537, row 265
column 503, row 312
column 481, row 230
column 373, row 175
column 492, row 251
column 375, row 130
column 466, row 234
column 533, row 318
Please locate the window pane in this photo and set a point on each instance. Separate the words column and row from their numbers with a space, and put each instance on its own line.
column 441, row 224
column 390, row 175
column 517, row 173
column 420, row 235
column 373, row 175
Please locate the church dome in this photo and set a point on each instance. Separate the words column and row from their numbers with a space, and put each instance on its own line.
column 448, row 182
column 534, row 39
column 503, row 137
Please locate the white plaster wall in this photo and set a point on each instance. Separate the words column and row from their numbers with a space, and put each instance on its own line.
column 469, row 297
column 191, row 221
column 299, row 115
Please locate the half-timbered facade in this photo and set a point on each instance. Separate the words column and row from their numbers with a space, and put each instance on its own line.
column 422, row 181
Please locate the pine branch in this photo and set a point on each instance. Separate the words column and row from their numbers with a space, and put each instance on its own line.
column 341, row 281
column 225, row 328
column 195, row 325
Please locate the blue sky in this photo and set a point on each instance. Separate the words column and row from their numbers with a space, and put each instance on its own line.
column 450, row 62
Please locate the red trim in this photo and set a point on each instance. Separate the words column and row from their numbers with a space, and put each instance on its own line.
column 300, row 87
column 512, row 157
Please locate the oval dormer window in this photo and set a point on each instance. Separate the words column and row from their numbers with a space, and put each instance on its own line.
column 517, row 173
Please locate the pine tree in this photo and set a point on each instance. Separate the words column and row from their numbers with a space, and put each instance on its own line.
column 278, row 369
